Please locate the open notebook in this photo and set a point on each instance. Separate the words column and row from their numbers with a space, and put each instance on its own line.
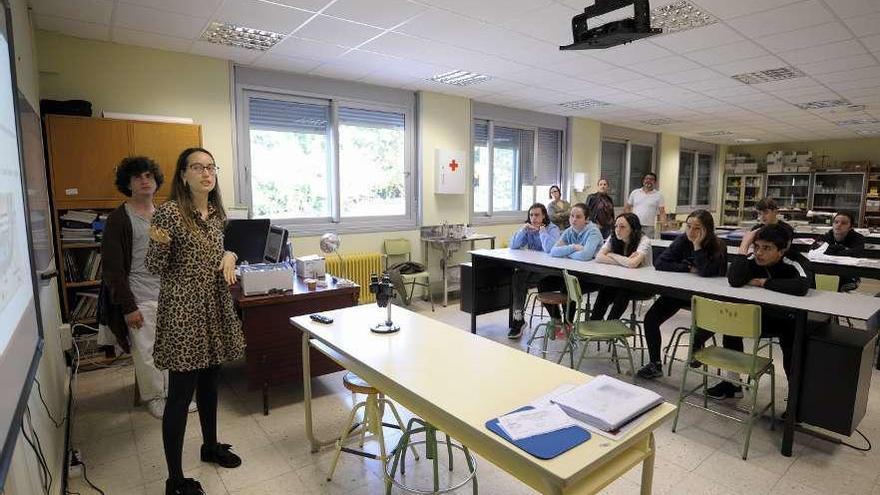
column 607, row 403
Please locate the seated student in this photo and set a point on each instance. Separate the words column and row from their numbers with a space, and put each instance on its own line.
column 626, row 246
column 768, row 214
column 538, row 234
column 842, row 240
column 697, row 251
column 774, row 267
column 580, row 242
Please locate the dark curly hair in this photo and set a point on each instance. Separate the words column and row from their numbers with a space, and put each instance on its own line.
column 133, row 166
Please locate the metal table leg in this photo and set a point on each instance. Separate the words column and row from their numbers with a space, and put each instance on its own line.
column 794, row 382
column 314, row 442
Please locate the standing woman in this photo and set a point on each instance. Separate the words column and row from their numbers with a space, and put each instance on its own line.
column 558, row 208
column 197, row 328
column 628, row 247
column 602, row 208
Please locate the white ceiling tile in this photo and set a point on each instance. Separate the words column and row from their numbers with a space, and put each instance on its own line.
column 286, row 64
column 726, row 9
column 95, row 11
column 823, row 52
column 150, row 40
column 850, row 76
column 381, row 13
column 864, row 25
column 71, row 27
column 872, row 42
column 694, row 75
column 551, row 23
column 343, row 70
column 839, row 64
column 697, row 39
column 293, row 46
column 158, row 21
column 337, row 31
column 788, row 18
column 803, row 38
column 750, row 65
column 310, row 5
column 440, row 25
column 388, row 80
column 851, row 8
column 195, row 8
column 732, row 52
column 858, row 84
column 664, row 65
column 718, row 82
column 579, row 65
column 613, row 76
column 631, row 53
column 261, row 15
column 241, row 55
column 401, row 45
column 495, row 11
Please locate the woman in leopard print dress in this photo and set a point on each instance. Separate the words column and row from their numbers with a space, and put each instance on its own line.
column 197, row 328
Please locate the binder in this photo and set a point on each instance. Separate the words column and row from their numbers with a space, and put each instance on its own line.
column 546, row 446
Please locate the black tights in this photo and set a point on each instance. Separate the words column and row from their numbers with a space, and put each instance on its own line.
column 181, row 385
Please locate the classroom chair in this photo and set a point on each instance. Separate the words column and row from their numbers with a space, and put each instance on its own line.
column 583, row 330
column 401, row 248
column 418, row 426
column 374, row 409
column 547, row 331
column 737, row 320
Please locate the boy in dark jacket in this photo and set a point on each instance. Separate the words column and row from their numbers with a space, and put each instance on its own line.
column 774, row 267
column 843, row 240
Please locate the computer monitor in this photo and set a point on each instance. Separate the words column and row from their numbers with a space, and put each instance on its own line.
column 247, row 239
column 276, row 245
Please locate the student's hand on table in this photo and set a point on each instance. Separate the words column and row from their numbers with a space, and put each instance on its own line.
column 577, row 247
column 134, row 319
column 227, row 266
column 757, row 282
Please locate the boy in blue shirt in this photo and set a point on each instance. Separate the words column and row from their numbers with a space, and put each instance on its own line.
column 538, row 234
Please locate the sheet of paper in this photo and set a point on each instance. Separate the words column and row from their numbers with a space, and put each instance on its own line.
column 533, row 422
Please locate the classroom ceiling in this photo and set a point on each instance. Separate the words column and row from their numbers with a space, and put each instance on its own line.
column 679, row 83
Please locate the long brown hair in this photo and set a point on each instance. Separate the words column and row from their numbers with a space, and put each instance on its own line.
column 181, row 194
column 713, row 244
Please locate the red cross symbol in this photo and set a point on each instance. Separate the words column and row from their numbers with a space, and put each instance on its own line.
column 453, row 165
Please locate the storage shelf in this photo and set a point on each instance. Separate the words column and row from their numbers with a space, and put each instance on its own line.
column 81, row 245
column 85, row 283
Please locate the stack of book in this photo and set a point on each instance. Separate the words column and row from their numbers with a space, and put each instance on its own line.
column 607, row 403
column 86, row 306
column 76, row 226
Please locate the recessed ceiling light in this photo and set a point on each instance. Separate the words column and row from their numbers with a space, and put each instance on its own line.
column 746, row 140
column 715, row 133
column 815, row 105
column 663, row 121
column 858, row 122
column 581, row 104
column 680, row 16
column 224, row 33
column 769, row 75
column 460, row 78
column 868, row 132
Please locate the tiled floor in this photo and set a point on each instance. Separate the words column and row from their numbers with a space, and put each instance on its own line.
column 123, row 450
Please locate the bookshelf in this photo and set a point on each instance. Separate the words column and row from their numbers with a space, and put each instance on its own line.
column 872, row 198
column 78, row 236
column 741, row 192
column 791, row 192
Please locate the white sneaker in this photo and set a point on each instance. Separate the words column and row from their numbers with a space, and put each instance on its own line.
column 193, row 407
column 156, row 407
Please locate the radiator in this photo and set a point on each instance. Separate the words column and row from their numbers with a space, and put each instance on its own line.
column 357, row 267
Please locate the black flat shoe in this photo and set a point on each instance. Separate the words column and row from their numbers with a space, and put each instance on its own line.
column 220, row 454
column 185, row 486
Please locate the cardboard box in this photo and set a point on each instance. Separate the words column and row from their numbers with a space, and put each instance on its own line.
column 774, row 169
column 311, row 266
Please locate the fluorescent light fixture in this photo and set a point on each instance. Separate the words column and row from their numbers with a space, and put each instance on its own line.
column 680, row 16
column 715, row 133
column 769, row 75
column 662, row 121
column 581, row 104
column 460, row 78
column 746, row 140
column 816, row 105
column 865, row 121
column 224, row 33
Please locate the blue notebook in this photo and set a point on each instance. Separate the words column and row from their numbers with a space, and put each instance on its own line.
column 548, row 445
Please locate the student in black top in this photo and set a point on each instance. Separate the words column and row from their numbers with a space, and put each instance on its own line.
column 774, row 267
column 768, row 214
column 626, row 246
column 842, row 240
column 602, row 208
column 697, row 251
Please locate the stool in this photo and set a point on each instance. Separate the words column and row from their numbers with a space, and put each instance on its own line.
column 415, row 427
column 550, row 328
column 532, row 305
column 374, row 409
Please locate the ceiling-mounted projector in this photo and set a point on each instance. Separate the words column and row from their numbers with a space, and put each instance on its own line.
column 613, row 33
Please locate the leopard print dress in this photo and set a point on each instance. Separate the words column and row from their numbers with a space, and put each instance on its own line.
column 197, row 326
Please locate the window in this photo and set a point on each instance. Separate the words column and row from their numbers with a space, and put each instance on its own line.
column 624, row 159
column 514, row 167
column 695, row 179
column 319, row 164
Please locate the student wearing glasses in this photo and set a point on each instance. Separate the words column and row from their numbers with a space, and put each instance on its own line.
column 627, row 246
column 697, row 251
column 197, row 328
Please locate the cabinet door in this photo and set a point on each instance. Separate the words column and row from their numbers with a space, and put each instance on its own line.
column 83, row 154
column 163, row 143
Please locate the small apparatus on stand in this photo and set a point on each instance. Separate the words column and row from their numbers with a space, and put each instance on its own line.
column 384, row 291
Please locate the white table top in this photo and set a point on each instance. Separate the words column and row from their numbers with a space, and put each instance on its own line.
column 457, row 381
column 734, row 251
column 854, row 306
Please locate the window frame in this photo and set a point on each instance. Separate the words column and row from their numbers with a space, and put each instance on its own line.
column 692, row 204
column 627, row 166
column 501, row 217
column 335, row 222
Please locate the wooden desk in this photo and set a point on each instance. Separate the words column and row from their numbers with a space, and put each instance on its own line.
column 272, row 355
column 685, row 285
column 429, row 368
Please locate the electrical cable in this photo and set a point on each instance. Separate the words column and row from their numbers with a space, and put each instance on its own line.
column 86, row 477
column 58, row 424
column 856, row 447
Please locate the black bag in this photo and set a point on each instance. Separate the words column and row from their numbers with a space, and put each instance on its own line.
column 408, row 267
column 81, row 108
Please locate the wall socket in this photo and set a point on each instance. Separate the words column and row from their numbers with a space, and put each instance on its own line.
column 66, row 337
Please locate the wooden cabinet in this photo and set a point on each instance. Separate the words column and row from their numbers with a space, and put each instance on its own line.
column 83, row 154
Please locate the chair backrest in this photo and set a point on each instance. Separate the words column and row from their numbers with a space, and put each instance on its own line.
column 827, row 282
column 725, row 318
column 575, row 296
column 397, row 247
